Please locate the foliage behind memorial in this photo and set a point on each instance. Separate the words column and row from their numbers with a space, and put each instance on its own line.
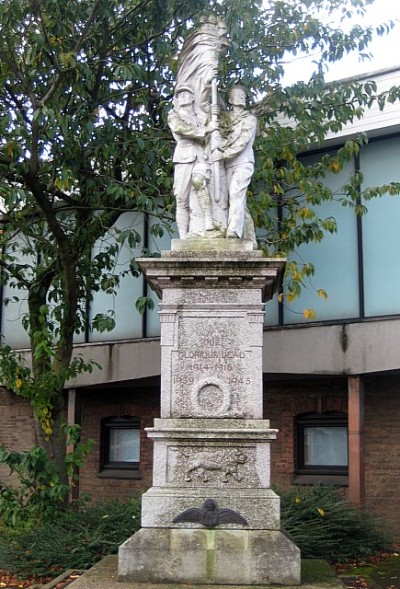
column 34, row 490
column 76, row 539
column 321, row 521
column 324, row 524
column 85, row 89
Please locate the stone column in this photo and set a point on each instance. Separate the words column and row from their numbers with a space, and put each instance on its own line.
column 211, row 517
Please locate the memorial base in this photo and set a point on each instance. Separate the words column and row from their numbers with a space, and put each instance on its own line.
column 211, row 517
column 216, row 557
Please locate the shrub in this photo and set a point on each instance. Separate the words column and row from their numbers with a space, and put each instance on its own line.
column 39, row 488
column 325, row 525
column 68, row 540
column 40, row 492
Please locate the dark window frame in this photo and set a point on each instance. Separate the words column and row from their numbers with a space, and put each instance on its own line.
column 327, row 419
column 116, row 423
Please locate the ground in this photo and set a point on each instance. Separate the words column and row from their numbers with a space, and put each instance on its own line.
column 61, row 582
column 379, row 572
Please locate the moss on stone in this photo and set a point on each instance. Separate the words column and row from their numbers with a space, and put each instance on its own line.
column 316, row 570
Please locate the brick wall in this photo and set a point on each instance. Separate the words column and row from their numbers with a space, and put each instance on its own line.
column 283, row 400
column 17, row 431
column 95, row 405
column 382, row 447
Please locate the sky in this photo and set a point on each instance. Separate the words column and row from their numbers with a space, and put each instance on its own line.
column 385, row 50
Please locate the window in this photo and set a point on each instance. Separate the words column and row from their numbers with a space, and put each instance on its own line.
column 120, row 447
column 322, row 443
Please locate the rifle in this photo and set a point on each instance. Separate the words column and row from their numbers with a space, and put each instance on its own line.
column 215, row 140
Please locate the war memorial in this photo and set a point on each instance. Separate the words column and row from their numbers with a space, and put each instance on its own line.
column 211, row 516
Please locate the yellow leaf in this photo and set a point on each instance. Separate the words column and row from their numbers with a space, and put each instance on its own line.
column 334, row 166
column 18, row 383
column 290, row 297
column 321, row 511
column 10, row 146
column 305, row 213
column 309, row 313
column 286, row 153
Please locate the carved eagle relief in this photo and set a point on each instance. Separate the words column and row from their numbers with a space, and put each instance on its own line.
column 210, row 515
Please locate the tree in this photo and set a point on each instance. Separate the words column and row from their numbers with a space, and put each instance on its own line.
column 85, row 87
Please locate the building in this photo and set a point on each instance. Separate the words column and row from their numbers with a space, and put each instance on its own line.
column 331, row 385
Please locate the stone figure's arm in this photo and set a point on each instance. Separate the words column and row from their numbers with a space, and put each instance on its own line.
column 233, row 146
column 183, row 128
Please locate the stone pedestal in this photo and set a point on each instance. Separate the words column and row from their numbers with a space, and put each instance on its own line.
column 211, row 441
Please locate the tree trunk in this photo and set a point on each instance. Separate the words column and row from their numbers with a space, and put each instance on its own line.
column 55, row 446
column 49, row 371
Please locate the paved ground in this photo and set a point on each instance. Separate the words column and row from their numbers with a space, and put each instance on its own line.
column 104, row 576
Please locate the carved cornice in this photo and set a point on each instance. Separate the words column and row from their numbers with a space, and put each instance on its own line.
column 210, row 270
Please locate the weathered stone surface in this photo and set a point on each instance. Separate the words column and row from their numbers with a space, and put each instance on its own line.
column 233, row 557
column 317, row 574
column 260, row 507
column 211, row 364
column 211, row 441
column 211, row 453
column 204, row 244
column 214, row 269
column 215, row 364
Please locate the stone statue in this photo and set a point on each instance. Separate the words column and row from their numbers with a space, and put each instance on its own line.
column 213, row 167
column 236, row 150
column 198, row 61
column 194, row 129
column 193, row 200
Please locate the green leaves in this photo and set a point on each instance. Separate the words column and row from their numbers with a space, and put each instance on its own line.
column 325, row 525
column 41, row 492
column 103, row 322
column 143, row 303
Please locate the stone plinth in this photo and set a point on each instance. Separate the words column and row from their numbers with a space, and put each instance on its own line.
column 211, row 441
column 210, row 557
column 224, row 459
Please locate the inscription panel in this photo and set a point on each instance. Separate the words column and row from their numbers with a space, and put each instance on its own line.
column 215, row 466
column 215, row 372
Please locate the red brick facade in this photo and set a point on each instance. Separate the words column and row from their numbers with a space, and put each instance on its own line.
column 96, row 405
column 283, row 401
column 17, row 429
column 382, row 447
